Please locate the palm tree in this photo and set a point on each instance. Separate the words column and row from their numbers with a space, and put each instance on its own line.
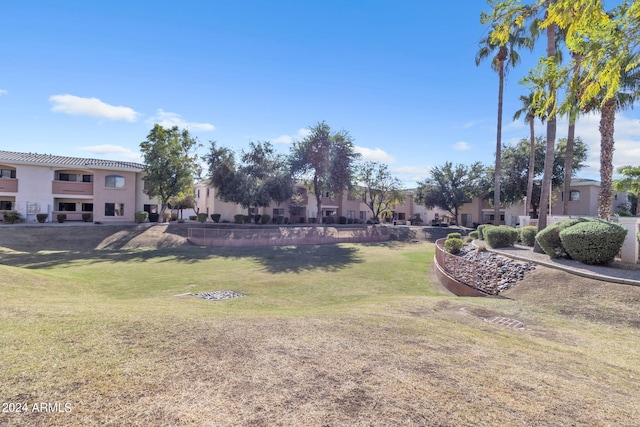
column 630, row 182
column 530, row 111
column 505, row 57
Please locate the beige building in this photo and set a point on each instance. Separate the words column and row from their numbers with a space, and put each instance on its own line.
column 103, row 190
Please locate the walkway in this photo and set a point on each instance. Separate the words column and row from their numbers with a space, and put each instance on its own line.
column 616, row 272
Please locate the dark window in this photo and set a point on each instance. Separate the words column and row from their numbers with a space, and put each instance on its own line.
column 7, row 173
column 114, row 209
column 296, row 211
column 278, row 212
column 67, row 177
column 114, row 181
column 5, row 205
column 574, row 195
column 151, row 208
column 87, row 207
column 67, row 207
column 401, row 216
column 87, row 178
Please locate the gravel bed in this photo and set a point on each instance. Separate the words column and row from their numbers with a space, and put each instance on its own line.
column 509, row 271
column 218, row 295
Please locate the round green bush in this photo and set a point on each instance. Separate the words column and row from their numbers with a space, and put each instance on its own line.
column 265, row 219
column 12, row 217
column 215, row 217
column 549, row 238
column 474, row 235
column 593, row 242
column 238, row 219
column 453, row 245
column 500, row 236
column 481, row 228
column 454, row 236
column 202, row 217
column 140, row 216
column 528, row 235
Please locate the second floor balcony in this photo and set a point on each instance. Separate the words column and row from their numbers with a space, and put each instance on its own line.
column 8, row 185
column 72, row 188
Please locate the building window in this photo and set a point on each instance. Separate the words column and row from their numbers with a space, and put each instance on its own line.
column 5, row 205
column 207, row 191
column 87, row 207
column 278, row 212
column 150, row 209
column 198, row 195
column 574, row 195
column 67, row 177
column 7, row 173
column 296, row 211
column 87, row 178
column 114, row 209
column 401, row 216
column 114, row 181
column 67, row 207
column 363, row 215
column 351, row 214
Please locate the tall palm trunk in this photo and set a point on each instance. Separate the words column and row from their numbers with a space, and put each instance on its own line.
column 568, row 165
column 532, row 164
column 607, row 120
column 502, row 56
column 545, row 191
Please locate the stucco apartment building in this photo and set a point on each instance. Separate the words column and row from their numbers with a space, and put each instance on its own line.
column 109, row 190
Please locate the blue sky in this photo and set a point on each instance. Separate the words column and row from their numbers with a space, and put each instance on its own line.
column 89, row 79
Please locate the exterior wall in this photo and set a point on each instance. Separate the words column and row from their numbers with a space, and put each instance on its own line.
column 472, row 212
column 103, row 194
column 34, row 190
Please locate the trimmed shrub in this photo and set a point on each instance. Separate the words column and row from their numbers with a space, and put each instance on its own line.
column 349, row 220
column 246, row 219
column 481, row 248
column 87, row 217
column 279, row 219
column 166, row 216
column 238, row 219
column 474, row 235
column 549, row 238
column 453, row 245
column 342, row 219
column 215, row 218
column 528, row 235
column 140, row 216
column 202, row 217
column 265, row 218
column 256, row 218
column 481, row 229
column 42, row 218
column 61, row 218
column 302, row 220
column 501, row 236
column 454, row 236
column 593, row 242
column 12, row 217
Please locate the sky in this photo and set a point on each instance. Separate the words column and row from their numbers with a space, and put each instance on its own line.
column 90, row 79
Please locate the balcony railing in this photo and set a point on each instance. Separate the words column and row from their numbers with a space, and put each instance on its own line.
column 72, row 188
column 8, row 185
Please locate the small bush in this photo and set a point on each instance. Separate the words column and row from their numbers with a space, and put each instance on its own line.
column 173, row 216
column 61, row 218
column 256, row 218
column 454, row 236
column 474, row 235
column 349, row 220
column 140, row 216
column 549, row 238
column 279, row 219
column 501, row 236
column 265, row 218
column 342, row 219
column 593, row 242
column 453, row 245
column 42, row 217
column 202, row 217
column 215, row 218
column 12, row 217
column 481, row 248
column 301, row 220
column 238, row 219
column 481, row 229
column 166, row 216
column 528, row 235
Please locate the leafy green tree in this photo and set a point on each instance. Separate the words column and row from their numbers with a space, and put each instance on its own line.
column 377, row 187
column 325, row 160
column 185, row 200
column 629, row 182
column 170, row 165
column 259, row 177
column 450, row 187
column 506, row 56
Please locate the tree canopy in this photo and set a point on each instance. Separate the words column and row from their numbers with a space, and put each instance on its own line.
column 259, row 177
column 450, row 187
column 325, row 161
column 170, row 165
column 377, row 187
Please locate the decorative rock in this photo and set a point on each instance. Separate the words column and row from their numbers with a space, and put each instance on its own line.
column 218, row 295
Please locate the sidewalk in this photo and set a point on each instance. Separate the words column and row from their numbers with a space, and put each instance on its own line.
column 616, row 272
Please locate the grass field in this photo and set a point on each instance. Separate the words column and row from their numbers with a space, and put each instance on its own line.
column 335, row 335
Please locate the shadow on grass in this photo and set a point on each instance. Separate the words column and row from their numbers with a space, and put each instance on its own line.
column 275, row 259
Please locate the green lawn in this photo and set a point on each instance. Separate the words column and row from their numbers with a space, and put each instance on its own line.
column 326, row 335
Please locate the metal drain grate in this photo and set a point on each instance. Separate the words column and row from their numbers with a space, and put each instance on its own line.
column 504, row 321
column 218, row 295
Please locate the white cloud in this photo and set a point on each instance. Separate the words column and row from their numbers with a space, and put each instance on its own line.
column 168, row 120
column 288, row 139
column 113, row 152
column 376, row 154
column 3, row 92
column 461, row 146
column 93, row 107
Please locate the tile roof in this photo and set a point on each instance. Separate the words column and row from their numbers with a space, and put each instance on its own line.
column 53, row 160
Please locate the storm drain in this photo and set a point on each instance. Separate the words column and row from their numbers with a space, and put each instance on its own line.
column 218, row 295
column 503, row 321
